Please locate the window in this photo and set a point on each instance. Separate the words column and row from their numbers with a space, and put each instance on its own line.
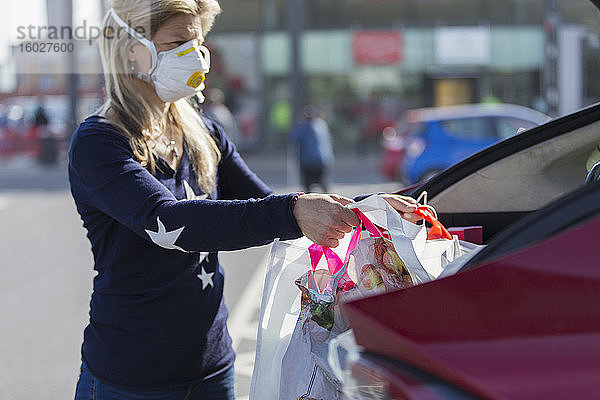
column 507, row 126
column 476, row 128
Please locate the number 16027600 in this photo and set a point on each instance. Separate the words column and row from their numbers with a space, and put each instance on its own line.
column 46, row 47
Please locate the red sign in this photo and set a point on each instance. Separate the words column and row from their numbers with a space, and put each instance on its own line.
column 377, row 47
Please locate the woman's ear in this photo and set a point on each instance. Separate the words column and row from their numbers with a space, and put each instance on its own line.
column 141, row 56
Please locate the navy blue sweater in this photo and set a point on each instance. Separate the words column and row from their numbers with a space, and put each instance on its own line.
column 157, row 316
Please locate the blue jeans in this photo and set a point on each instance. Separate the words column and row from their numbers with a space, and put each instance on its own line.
column 219, row 387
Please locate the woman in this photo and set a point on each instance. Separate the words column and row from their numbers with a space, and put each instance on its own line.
column 160, row 191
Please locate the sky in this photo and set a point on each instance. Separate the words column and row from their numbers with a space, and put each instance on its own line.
column 17, row 13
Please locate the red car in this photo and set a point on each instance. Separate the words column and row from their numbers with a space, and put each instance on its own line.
column 521, row 318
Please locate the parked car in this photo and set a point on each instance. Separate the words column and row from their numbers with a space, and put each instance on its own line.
column 428, row 140
column 519, row 319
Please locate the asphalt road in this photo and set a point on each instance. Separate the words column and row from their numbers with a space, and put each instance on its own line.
column 46, row 275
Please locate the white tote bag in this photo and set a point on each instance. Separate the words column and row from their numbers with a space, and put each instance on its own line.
column 425, row 259
column 280, row 308
column 305, row 371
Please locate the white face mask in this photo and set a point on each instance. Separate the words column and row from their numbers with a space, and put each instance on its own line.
column 176, row 73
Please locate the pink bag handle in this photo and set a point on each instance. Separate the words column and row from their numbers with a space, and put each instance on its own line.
column 373, row 230
column 334, row 263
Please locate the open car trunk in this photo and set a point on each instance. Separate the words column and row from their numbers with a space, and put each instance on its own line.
column 509, row 323
column 519, row 319
column 523, row 326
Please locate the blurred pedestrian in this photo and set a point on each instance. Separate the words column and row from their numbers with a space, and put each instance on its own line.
column 280, row 118
column 312, row 138
column 41, row 142
column 40, row 117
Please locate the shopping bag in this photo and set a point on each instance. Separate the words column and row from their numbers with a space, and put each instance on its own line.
column 423, row 254
column 305, row 371
column 280, row 308
column 279, row 311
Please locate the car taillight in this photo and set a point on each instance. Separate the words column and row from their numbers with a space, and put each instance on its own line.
column 376, row 377
column 415, row 147
column 365, row 383
column 365, row 392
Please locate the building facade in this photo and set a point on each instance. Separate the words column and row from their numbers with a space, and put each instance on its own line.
column 364, row 62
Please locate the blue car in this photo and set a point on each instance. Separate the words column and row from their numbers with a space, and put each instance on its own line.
column 436, row 138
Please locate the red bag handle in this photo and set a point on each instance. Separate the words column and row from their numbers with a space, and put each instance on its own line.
column 437, row 230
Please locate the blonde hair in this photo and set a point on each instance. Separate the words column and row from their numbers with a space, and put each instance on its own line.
column 129, row 110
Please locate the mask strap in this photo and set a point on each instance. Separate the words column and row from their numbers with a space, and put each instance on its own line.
column 206, row 54
column 149, row 44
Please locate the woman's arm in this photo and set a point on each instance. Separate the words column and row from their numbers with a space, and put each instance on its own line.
column 104, row 175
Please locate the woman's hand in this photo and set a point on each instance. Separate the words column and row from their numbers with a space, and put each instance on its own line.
column 405, row 205
column 323, row 218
